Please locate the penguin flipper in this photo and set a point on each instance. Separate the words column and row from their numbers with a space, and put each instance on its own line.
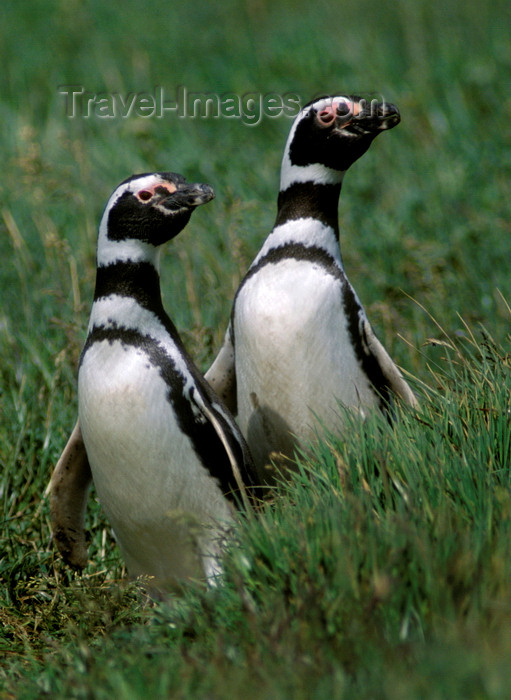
column 226, row 438
column 237, row 451
column 221, row 376
column 69, row 488
column 395, row 379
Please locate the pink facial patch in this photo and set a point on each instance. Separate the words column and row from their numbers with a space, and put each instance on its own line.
column 328, row 114
column 148, row 192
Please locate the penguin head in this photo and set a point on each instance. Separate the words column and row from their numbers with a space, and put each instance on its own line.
column 148, row 210
column 330, row 134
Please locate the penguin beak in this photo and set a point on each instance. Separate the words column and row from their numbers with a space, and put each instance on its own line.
column 188, row 196
column 377, row 116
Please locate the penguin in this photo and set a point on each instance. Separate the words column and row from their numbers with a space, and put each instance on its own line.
column 299, row 345
column 169, row 464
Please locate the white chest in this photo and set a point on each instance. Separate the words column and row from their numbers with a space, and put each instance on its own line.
column 124, row 407
column 150, row 481
column 294, row 354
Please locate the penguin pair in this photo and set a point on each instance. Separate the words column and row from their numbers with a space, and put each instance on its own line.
column 166, row 456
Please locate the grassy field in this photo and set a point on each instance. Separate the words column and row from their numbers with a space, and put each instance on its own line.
column 383, row 570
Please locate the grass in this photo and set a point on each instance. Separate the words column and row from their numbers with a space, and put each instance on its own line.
column 383, row 569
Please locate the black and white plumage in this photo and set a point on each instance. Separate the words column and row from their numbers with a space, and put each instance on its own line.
column 166, row 457
column 299, row 342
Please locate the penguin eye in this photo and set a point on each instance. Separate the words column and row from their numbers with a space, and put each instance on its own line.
column 145, row 195
column 326, row 117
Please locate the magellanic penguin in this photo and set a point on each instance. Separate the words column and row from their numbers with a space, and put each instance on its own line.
column 299, row 344
column 167, row 459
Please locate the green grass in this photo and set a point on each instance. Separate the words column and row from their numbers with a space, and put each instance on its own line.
column 383, row 570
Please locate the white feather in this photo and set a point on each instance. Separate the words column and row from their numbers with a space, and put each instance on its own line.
column 294, row 357
column 168, row 514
